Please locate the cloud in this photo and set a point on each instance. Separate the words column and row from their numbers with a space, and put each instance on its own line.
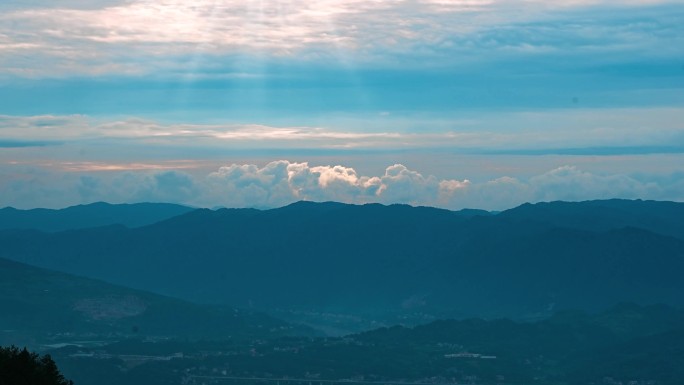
column 609, row 130
column 567, row 183
column 282, row 182
column 144, row 37
column 21, row 144
column 571, row 183
column 30, row 187
column 163, row 186
column 279, row 183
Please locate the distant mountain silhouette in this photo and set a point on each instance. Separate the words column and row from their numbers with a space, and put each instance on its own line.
column 387, row 261
column 37, row 303
column 91, row 215
column 601, row 215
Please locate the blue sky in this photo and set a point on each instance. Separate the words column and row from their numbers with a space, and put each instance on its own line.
column 450, row 103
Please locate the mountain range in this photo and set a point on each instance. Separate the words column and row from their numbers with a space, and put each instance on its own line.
column 365, row 265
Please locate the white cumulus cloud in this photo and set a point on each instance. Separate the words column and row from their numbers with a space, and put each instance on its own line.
column 282, row 182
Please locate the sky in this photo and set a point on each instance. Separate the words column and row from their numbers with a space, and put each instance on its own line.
column 449, row 103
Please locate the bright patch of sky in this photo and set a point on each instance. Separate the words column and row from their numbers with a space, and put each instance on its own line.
column 482, row 102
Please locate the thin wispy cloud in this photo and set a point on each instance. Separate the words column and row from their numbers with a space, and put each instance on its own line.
column 634, row 128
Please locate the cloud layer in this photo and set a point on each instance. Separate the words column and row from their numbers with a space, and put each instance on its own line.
column 142, row 37
column 279, row 183
column 640, row 129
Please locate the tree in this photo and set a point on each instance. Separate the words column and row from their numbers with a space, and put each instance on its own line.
column 21, row 367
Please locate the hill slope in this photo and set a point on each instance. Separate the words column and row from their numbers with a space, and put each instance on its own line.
column 41, row 305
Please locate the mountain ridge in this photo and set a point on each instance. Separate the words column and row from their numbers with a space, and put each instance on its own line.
column 89, row 215
column 383, row 262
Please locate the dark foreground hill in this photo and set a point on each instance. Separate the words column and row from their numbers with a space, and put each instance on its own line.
column 91, row 215
column 38, row 306
column 390, row 264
